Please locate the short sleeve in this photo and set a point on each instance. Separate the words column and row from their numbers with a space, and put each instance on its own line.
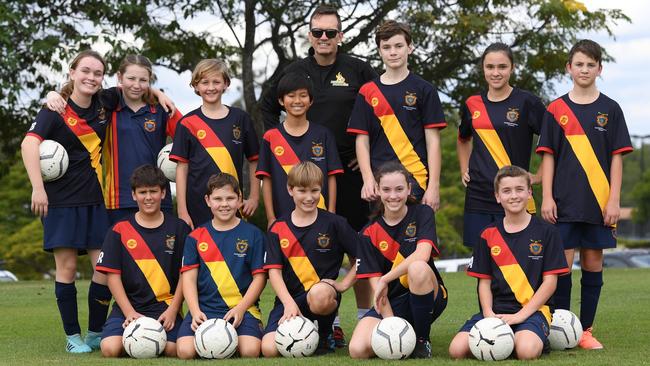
column 46, row 121
column 621, row 143
column 181, row 149
column 427, row 228
column 172, row 123
column 360, row 117
column 554, row 259
column 536, row 112
column 465, row 127
column 251, row 144
column 259, row 249
column 190, row 255
column 110, row 258
column 479, row 265
column 348, row 238
column 273, row 253
column 264, row 161
column 334, row 165
column 432, row 114
column 369, row 260
column 548, row 137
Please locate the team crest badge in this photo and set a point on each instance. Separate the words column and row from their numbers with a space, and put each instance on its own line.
column 476, row 114
column 200, row 134
column 340, row 80
column 512, row 115
column 383, row 245
column 374, row 101
column 323, row 240
column 131, row 243
column 284, row 243
column 410, row 99
column 496, row 250
column 317, row 149
column 411, row 229
column 535, row 247
column 149, row 125
column 602, row 119
column 236, row 132
column 72, row 121
column 279, row 150
column 203, row 246
column 242, row 245
column 564, row 119
column 170, row 241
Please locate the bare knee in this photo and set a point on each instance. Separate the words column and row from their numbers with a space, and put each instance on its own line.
column 249, row 346
column 528, row 346
column 170, row 349
column 269, row 348
column 185, row 348
column 112, row 347
column 421, row 277
column 321, row 299
column 459, row 346
column 359, row 349
column 591, row 260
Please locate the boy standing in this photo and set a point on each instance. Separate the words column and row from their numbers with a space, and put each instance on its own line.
column 583, row 142
column 398, row 116
column 142, row 286
column 516, row 261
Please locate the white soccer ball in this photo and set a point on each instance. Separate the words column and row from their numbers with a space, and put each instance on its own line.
column 144, row 338
column 491, row 339
column 54, row 160
column 566, row 330
column 393, row 338
column 215, row 338
column 167, row 166
column 296, row 337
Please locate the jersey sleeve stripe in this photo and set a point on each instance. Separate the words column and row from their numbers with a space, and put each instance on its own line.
column 623, row 150
column 35, row 135
column 272, row 266
column 479, row 275
column 556, row 271
column 262, row 173
column 189, row 267
column 107, row 270
column 355, row 131
column 335, row 171
column 544, row 150
column 369, row 275
column 178, row 159
column 259, row 270
column 439, row 125
column 254, row 157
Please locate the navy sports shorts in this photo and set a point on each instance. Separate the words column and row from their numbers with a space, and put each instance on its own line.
column 536, row 323
column 249, row 326
column 81, row 228
column 324, row 321
column 473, row 225
column 584, row 235
column 113, row 326
column 401, row 306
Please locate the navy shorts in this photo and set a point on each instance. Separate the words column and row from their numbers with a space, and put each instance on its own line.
column 473, row 225
column 536, row 323
column 584, row 235
column 324, row 321
column 113, row 326
column 401, row 306
column 80, row 228
column 249, row 326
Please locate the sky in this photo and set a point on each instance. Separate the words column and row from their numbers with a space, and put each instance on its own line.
column 624, row 80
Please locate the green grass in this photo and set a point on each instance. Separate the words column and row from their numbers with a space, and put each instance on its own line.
column 31, row 332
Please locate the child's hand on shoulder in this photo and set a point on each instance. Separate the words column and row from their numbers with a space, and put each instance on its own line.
column 198, row 319
column 236, row 314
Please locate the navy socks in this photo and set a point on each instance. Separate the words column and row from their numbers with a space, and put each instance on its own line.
column 99, row 298
column 66, row 299
column 562, row 297
column 591, row 283
column 422, row 311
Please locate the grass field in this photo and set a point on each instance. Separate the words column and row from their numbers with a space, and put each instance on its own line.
column 31, row 332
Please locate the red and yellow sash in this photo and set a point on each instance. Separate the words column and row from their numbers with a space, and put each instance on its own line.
column 145, row 260
column 395, row 134
column 485, row 130
column 583, row 150
column 285, row 155
column 110, row 163
column 511, row 270
column 388, row 247
column 87, row 137
column 221, row 275
column 212, row 144
column 296, row 255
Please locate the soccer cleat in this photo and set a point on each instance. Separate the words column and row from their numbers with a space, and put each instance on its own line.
column 76, row 345
column 325, row 345
column 93, row 339
column 422, row 349
column 588, row 341
column 339, row 337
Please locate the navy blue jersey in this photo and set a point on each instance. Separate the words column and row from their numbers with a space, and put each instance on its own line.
column 582, row 139
column 394, row 117
column 134, row 138
column 226, row 261
column 147, row 260
column 383, row 247
column 517, row 263
column 281, row 151
column 502, row 134
column 311, row 253
column 210, row 146
column 81, row 132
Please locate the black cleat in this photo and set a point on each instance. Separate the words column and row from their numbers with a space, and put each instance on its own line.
column 324, row 346
column 422, row 349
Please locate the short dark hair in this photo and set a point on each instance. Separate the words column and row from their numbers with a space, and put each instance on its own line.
column 589, row 48
column 147, row 176
column 392, row 28
column 294, row 81
column 511, row 171
column 498, row 47
column 221, row 180
column 325, row 9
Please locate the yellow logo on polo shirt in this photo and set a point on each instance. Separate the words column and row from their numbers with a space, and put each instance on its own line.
column 383, row 245
column 279, row 150
column 564, row 119
column 340, row 80
column 131, row 243
column 374, row 101
column 72, row 121
column 203, row 246
column 476, row 114
column 284, row 242
column 200, row 134
column 496, row 250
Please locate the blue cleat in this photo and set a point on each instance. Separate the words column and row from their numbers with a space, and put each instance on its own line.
column 76, row 345
column 93, row 339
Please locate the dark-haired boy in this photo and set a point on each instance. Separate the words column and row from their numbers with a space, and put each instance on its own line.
column 142, row 257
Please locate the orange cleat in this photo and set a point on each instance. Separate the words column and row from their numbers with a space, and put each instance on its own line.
column 588, row 341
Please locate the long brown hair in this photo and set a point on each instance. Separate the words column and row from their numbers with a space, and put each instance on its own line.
column 68, row 87
column 385, row 169
column 142, row 61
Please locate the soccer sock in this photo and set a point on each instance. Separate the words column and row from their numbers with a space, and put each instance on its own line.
column 361, row 312
column 66, row 299
column 562, row 297
column 591, row 283
column 422, row 311
column 99, row 298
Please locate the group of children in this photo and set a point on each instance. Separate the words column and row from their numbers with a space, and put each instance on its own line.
column 216, row 262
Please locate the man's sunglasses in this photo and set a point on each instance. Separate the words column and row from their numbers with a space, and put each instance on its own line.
column 329, row 33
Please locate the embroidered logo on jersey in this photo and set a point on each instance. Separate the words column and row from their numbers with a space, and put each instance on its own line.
column 374, row 101
column 236, row 132
column 72, row 121
column 149, row 125
column 411, row 229
column 564, row 119
column 383, row 245
column 602, row 119
column 200, row 134
column 535, row 247
column 317, row 149
column 476, row 114
column 170, row 241
column 512, row 115
column 323, row 240
column 131, row 243
column 496, row 250
column 410, row 99
column 279, row 150
column 242, row 245
column 203, row 246
column 284, row 242
column 340, row 80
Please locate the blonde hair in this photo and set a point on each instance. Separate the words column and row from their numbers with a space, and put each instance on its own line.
column 68, row 87
column 208, row 66
column 305, row 174
column 142, row 61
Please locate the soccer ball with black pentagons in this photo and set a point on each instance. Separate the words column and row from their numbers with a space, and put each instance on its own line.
column 393, row 338
column 215, row 338
column 144, row 338
column 566, row 330
column 167, row 166
column 54, row 160
column 296, row 337
column 491, row 339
